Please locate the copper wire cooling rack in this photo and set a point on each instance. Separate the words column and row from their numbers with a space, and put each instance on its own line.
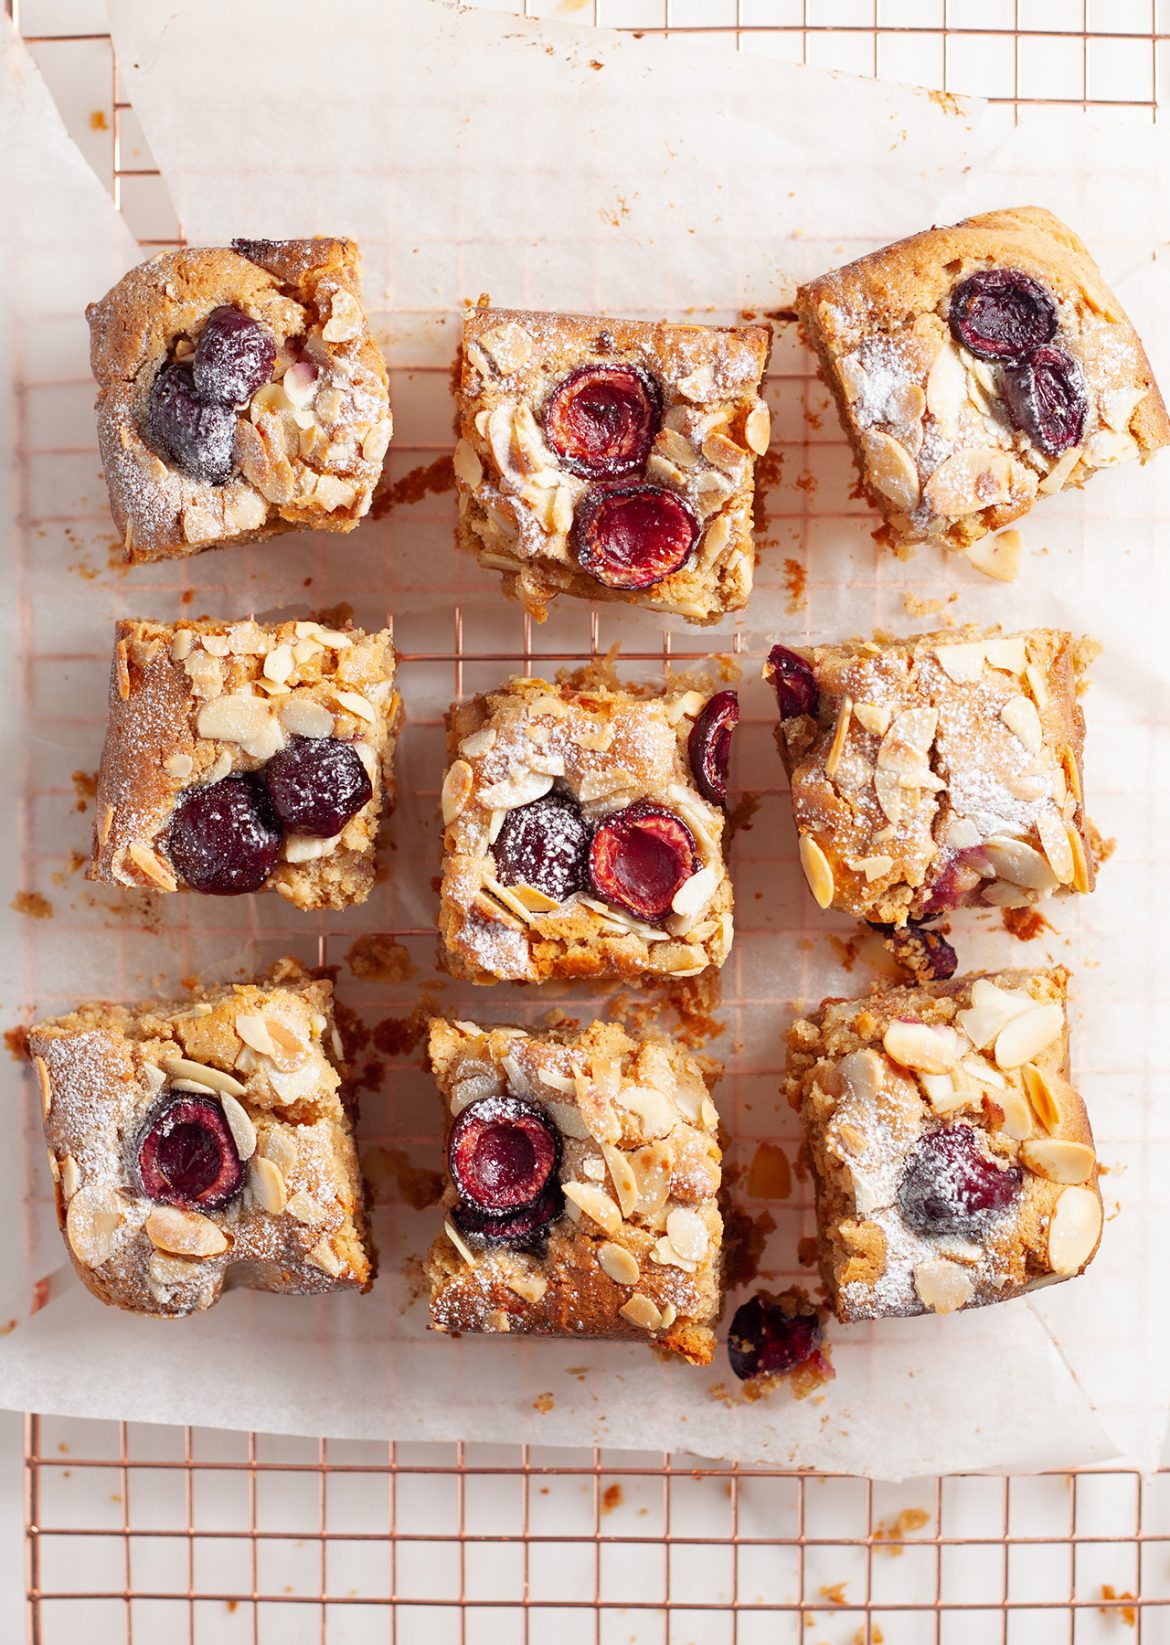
column 145, row 1534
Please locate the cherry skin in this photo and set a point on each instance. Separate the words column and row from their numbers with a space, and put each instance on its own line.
column 950, row 1187
column 709, row 745
column 501, row 1154
column 225, row 837
column 317, row 784
column 187, row 1155
column 639, row 859
column 544, row 844
column 601, row 420
column 632, row 536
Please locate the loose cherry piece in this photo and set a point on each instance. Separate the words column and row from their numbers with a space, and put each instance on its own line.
column 950, row 1187
column 709, row 744
column 640, row 857
column 601, row 420
column 795, row 683
column 501, row 1154
column 1045, row 397
column 544, row 844
column 197, row 435
column 632, row 536
column 225, row 837
column 187, row 1155
column 233, row 357
column 527, row 1227
column 317, row 784
column 1002, row 314
column 769, row 1336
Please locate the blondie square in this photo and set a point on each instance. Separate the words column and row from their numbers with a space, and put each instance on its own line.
column 583, row 1175
column 954, row 1164
column 245, row 757
column 201, row 1144
column 239, row 394
column 977, row 368
column 583, row 834
column 935, row 772
column 612, row 459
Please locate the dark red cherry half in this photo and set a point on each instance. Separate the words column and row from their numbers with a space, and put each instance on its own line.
column 632, row 536
column 199, row 436
column 768, row 1337
column 794, row 682
column 950, row 1187
column 233, row 357
column 501, row 1154
column 521, row 1228
column 601, row 420
column 1045, row 397
column 187, row 1155
column 317, row 784
column 1002, row 314
column 709, row 744
column 640, row 857
column 544, row 844
column 225, row 838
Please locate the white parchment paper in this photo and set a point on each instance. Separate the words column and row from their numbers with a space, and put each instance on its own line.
column 564, row 167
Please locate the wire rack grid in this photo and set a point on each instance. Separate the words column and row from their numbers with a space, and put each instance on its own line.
column 144, row 1534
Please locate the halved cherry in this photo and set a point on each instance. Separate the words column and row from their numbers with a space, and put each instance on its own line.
column 709, row 744
column 1045, row 396
column 601, row 420
column 794, row 682
column 544, row 844
column 501, row 1154
column 770, row 1335
column 639, row 859
column 632, row 536
column 1002, row 314
column 949, row 1186
column 187, row 1155
column 525, row 1227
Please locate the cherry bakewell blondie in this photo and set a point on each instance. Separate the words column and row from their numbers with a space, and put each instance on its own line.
column 934, row 772
column 244, row 757
column 612, row 459
column 584, row 833
column 978, row 367
column 204, row 1143
column 584, row 1170
column 239, row 394
column 954, row 1163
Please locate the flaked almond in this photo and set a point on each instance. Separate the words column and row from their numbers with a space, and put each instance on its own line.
column 864, row 1075
column 1076, row 845
column 621, row 1265
column 253, row 1030
column 997, row 557
column 122, row 670
column 840, row 734
column 1074, row 1230
column 529, row 1287
column 640, row 1311
column 652, row 1166
column 1021, row 717
column 236, row 718
column 305, row 717
column 695, row 894
column 268, row 1185
column 345, row 318
column 92, row 1222
column 457, row 787
column 969, row 480
column 942, row 1286
column 40, row 1067
column 1019, row 863
column 239, row 1124
column 890, row 467
column 459, row 1243
column 918, row 1045
column 595, row 1203
column 183, row 1233
column 278, row 665
column 757, row 428
column 70, row 1177
column 991, row 1007
column 1059, row 1160
column 962, row 662
column 687, row 1232
column 818, row 870
column 1027, row 1036
column 179, row 766
column 215, row 1078
column 873, row 868
column 1049, row 1095
column 508, row 346
column 654, row 1109
column 874, row 717
column 354, row 703
column 1017, row 1114
column 150, row 864
column 1060, row 471
column 1056, row 845
column 625, row 1183
column 946, row 385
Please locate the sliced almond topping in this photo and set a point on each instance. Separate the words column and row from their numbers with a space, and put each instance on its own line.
column 239, row 1124
column 1021, row 717
column 687, row 1232
column 457, row 787
column 891, row 468
column 1057, row 846
column 873, row 717
column 324, row 1256
column 149, row 862
column 91, row 1224
column 357, row 705
column 1007, row 652
column 942, row 1286
column 70, row 1177
column 1017, row 1115
column 1072, row 772
column 1026, row 1036
column 853, row 1139
column 840, row 733
column 895, row 801
column 920, row 1046
column 962, row 662
column 236, row 718
column 1045, row 1091
column 874, row 868
column 757, row 429
column 268, row 1185
column 997, row 557
column 215, row 1078
column 1060, row 471
column 946, row 385
column 654, row 1109
column 253, row 1030
column 305, row 717
column 1076, row 845
column 345, row 318
column 991, row 1007
column 695, row 894
column 817, row 870
column 183, row 1233
column 1074, row 1230
column 905, row 746
column 969, row 480
column 459, row 1243
column 278, row 664
column 1058, row 1159
column 122, row 670
column 179, row 766
column 1019, row 863
column 42, row 1073
column 595, row 1203
column 864, row 1073
column 529, row 1287
column 621, row 1265
column 640, row 1311
column 945, row 1096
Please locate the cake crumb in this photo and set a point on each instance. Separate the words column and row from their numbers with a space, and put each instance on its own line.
column 611, row 1498
column 834, row 1592
column 543, row 1403
column 895, row 1531
column 98, row 121
column 1115, row 1605
column 744, row 1239
column 85, row 788
column 796, row 582
column 379, row 957
column 16, row 1040
column 1025, row 923
column 33, row 904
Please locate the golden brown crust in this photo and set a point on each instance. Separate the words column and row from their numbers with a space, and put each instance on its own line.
column 940, row 771
column 192, row 702
column 640, row 1169
column 936, row 450
column 607, row 749
column 516, row 499
column 315, row 464
column 872, row 1076
column 299, row 1224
